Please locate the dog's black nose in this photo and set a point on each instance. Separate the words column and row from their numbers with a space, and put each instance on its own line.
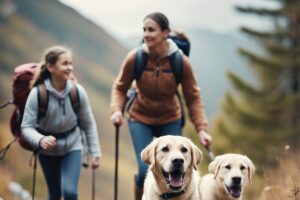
column 236, row 180
column 177, row 162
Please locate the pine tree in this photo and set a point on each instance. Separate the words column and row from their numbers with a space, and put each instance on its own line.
column 258, row 119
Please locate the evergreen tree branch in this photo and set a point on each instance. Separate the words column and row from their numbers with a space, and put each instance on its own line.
column 267, row 63
column 242, row 87
column 250, row 115
column 279, row 35
column 260, row 11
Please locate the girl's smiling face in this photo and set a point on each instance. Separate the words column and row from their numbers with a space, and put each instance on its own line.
column 63, row 67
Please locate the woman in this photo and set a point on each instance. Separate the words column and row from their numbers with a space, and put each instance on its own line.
column 57, row 135
column 156, row 110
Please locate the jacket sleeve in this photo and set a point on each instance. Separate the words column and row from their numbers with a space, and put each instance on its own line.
column 122, row 83
column 29, row 121
column 192, row 97
column 88, row 123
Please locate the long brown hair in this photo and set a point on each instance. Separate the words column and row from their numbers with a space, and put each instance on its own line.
column 160, row 19
column 164, row 24
column 50, row 56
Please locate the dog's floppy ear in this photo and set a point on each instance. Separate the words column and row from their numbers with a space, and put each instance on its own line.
column 196, row 155
column 148, row 154
column 251, row 168
column 215, row 165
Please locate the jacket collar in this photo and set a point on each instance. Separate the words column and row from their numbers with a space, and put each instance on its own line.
column 172, row 47
column 57, row 94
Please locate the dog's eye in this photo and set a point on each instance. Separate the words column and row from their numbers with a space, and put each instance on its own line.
column 184, row 150
column 242, row 167
column 165, row 149
column 228, row 167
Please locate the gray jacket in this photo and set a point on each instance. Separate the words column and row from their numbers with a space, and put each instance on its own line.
column 60, row 118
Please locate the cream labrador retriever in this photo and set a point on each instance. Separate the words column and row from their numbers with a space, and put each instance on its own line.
column 172, row 173
column 228, row 176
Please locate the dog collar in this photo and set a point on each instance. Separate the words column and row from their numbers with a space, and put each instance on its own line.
column 167, row 196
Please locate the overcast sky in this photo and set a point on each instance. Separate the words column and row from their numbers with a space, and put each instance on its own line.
column 123, row 18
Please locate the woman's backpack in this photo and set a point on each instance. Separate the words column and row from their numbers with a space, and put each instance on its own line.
column 176, row 60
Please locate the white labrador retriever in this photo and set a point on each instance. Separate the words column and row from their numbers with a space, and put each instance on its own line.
column 228, row 176
column 172, row 173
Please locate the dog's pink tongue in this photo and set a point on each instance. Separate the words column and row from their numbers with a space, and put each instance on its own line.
column 236, row 193
column 175, row 181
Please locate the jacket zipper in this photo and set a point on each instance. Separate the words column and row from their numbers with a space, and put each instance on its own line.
column 157, row 69
column 156, row 82
column 62, row 104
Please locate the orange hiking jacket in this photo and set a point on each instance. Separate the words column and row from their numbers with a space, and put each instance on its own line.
column 157, row 102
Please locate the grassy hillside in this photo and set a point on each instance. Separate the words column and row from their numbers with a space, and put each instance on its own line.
column 24, row 35
column 65, row 25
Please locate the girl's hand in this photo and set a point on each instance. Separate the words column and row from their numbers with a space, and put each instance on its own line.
column 48, row 142
column 205, row 138
column 95, row 162
column 117, row 118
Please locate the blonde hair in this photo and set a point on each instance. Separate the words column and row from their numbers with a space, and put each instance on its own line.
column 50, row 56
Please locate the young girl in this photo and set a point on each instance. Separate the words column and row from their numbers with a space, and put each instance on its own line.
column 57, row 135
column 156, row 111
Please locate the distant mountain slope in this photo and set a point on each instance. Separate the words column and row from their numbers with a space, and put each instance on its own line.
column 66, row 25
column 40, row 24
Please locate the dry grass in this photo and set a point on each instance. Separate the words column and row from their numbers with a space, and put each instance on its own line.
column 283, row 183
column 5, row 173
column 6, row 177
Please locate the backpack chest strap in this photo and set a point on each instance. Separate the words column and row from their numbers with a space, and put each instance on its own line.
column 57, row 135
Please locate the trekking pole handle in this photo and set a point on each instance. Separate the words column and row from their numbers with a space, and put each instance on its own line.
column 210, row 153
column 85, row 164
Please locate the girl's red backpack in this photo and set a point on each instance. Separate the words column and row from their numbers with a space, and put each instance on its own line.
column 22, row 78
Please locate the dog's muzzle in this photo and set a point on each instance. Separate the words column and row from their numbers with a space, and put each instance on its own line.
column 235, row 188
column 174, row 178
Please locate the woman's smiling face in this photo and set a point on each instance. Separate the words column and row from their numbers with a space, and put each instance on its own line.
column 153, row 34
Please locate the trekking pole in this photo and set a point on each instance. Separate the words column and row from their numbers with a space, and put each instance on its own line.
column 34, row 172
column 6, row 104
column 210, row 153
column 93, row 183
column 116, row 162
column 5, row 149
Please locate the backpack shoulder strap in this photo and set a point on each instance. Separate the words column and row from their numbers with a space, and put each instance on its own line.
column 140, row 63
column 176, row 61
column 75, row 101
column 43, row 98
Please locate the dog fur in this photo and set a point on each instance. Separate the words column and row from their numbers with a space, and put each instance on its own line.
column 229, row 174
column 173, row 164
